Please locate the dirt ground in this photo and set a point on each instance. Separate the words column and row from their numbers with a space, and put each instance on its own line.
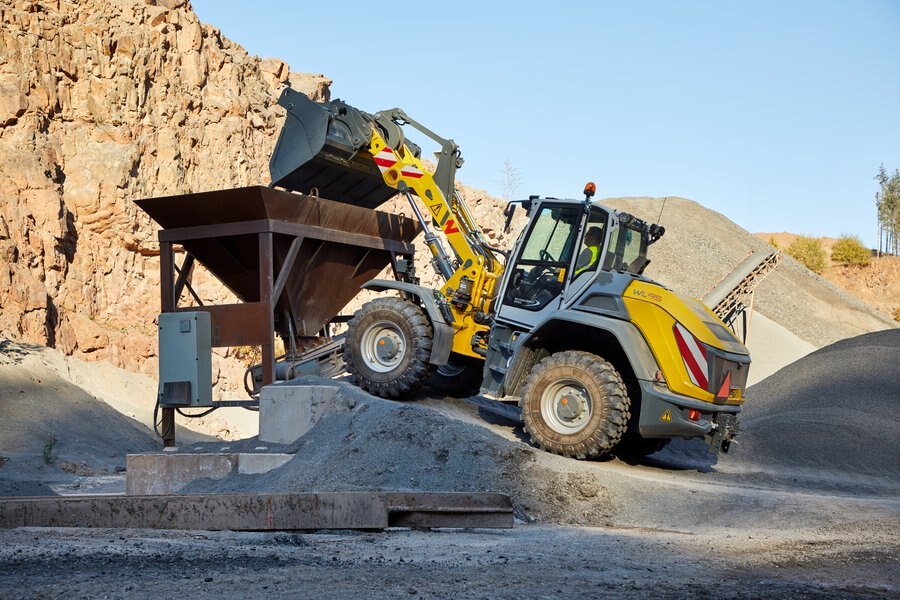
column 752, row 524
column 674, row 525
column 818, row 554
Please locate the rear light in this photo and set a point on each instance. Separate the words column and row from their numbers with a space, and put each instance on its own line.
column 693, row 353
column 694, row 415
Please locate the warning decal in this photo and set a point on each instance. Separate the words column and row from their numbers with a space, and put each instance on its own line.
column 666, row 416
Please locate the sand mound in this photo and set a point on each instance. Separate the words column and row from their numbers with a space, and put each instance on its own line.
column 51, row 427
column 772, row 347
column 835, row 409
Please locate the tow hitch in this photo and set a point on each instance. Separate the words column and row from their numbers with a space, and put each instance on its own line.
column 724, row 430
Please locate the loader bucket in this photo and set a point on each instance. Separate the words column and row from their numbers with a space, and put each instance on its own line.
column 322, row 148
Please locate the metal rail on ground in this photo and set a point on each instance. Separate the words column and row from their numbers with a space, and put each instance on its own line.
column 262, row 512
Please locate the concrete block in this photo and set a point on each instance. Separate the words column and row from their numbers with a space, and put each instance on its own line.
column 262, row 512
column 253, row 464
column 159, row 474
column 286, row 412
column 155, row 474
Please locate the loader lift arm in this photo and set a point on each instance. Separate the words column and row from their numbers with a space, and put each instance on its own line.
column 359, row 158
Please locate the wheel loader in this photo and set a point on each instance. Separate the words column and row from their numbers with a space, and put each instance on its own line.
column 599, row 358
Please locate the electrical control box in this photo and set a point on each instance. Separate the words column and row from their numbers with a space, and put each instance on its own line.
column 185, row 359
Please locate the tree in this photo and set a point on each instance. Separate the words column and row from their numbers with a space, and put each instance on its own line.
column 851, row 251
column 510, row 180
column 887, row 203
column 808, row 251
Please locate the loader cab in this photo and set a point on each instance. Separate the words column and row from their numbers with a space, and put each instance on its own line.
column 553, row 252
column 561, row 251
column 543, row 257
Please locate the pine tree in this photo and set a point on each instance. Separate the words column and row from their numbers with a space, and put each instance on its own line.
column 887, row 204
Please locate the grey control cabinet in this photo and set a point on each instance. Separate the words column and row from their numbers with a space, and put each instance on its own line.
column 185, row 359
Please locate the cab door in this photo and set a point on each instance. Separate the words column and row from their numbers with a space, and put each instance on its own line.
column 537, row 277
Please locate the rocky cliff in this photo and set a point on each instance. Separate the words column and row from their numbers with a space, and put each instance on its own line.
column 101, row 103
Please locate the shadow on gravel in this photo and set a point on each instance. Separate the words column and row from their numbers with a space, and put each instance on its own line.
column 679, row 455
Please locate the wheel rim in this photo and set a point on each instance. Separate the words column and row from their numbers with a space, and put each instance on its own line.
column 383, row 347
column 566, row 406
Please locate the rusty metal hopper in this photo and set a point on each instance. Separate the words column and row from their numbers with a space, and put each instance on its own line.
column 330, row 249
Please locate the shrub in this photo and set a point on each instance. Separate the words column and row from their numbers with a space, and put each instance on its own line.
column 773, row 242
column 808, row 251
column 897, row 314
column 47, row 452
column 850, row 250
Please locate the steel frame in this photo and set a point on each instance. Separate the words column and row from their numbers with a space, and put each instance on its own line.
column 248, row 323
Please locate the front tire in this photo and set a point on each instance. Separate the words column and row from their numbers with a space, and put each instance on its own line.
column 575, row 404
column 388, row 347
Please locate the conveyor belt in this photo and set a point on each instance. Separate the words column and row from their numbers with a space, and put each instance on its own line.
column 732, row 298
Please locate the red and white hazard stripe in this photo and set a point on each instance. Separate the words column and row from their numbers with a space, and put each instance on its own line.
column 694, row 355
column 385, row 159
column 411, row 171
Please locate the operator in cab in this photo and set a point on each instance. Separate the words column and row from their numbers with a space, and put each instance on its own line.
column 593, row 242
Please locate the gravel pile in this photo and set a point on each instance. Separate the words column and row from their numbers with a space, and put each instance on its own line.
column 701, row 246
column 51, row 429
column 837, row 409
column 372, row 444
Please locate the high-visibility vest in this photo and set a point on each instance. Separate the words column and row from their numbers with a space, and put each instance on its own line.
column 595, row 253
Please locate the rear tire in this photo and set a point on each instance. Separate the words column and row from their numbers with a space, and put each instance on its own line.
column 388, row 347
column 575, row 404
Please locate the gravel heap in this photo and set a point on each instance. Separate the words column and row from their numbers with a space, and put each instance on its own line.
column 51, row 429
column 368, row 443
column 371, row 444
column 837, row 409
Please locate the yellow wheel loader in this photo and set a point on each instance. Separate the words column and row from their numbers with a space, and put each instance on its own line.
column 598, row 357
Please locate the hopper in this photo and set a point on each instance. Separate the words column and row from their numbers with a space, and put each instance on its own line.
column 321, row 252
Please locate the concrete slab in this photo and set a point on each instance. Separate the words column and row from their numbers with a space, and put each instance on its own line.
column 157, row 474
column 287, row 411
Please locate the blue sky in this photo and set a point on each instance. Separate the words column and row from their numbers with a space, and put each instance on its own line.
column 776, row 114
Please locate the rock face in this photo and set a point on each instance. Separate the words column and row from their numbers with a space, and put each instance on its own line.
column 101, row 103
